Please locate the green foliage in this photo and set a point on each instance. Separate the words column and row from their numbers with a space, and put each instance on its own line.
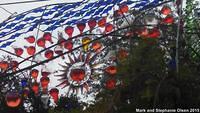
column 148, row 82
column 192, row 36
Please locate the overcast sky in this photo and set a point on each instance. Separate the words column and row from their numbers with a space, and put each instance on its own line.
column 22, row 7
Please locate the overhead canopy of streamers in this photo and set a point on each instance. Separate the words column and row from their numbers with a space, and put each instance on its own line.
column 51, row 17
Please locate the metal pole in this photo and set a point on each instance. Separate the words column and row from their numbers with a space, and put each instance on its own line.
column 178, row 35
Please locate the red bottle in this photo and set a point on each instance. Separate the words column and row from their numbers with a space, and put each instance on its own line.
column 54, row 93
column 49, row 54
column 110, row 84
column 81, row 27
column 69, row 31
column 165, row 10
column 30, row 39
column 34, row 73
column 92, row 23
column 30, row 50
column 41, row 42
column 48, row 37
column 18, row 51
column 102, row 22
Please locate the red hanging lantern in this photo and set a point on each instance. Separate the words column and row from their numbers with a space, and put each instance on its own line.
column 30, row 50
column 41, row 42
column 68, row 45
column 34, row 73
column 13, row 99
column 54, row 93
column 18, row 51
column 4, row 65
column 154, row 33
column 122, row 54
column 112, row 70
column 61, row 41
column 143, row 32
column 168, row 20
column 92, row 23
column 165, row 10
column 69, row 31
column 102, row 22
column 44, row 82
column 59, row 50
column 35, row 88
column 108, row 28
column 45, row 73
column 47, row 36
column 48, row 54
column 110, row 84
column 30, row 39
column 81, row 27
column 96, row 46
column 14, row 64
column 77, row 74
column 118, row 13
column 124, row 9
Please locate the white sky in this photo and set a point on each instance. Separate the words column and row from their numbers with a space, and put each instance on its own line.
column 19, row 8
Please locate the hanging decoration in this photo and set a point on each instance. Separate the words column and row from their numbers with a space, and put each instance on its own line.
column 44, row 82
column 14, row 65
column 96, row 46
column 168, row 20
column 108, row 28
column 35, row 88
column 80, row 60
column 81, row 27
column 92, row 23
column 102, row 22
column 59, row 50
column 30, row 50
column 112, row 70
column 4, row 65
column 68, row 45
column 41, row 42
column 49, row 54
column 18, row 51
column 30, row 39
column 85, row 42
column 123, row 8
column 54, row 93
column 69, row 31
column 166, row 10
column 154, row 33
column 34, row 73
column 48, row 37
column 110, row 84
column 13, row 99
